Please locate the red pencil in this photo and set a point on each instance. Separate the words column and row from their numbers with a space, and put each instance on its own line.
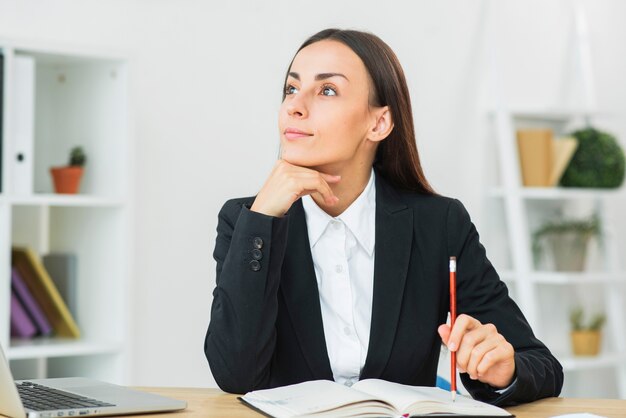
column 452, row 319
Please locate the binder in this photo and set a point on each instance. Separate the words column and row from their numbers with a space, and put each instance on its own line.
column 1, row 116
column 23, row 117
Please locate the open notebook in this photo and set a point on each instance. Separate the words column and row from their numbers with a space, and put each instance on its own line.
column 369, row 397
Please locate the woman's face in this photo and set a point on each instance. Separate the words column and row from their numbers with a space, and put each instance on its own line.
column 325, row 117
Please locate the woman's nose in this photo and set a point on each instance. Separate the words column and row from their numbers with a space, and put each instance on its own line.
column 297, row 107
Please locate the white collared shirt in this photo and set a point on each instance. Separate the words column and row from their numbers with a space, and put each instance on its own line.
column 343, row 257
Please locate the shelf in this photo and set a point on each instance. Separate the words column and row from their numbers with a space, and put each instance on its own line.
column 61, row 98
column 574, row 363
column 555, row 193
column 551, row 114
column 515, row 212
column 562, row 278
column 59, row 53
column 550, row 277
column 55, row 347
column 65, row 200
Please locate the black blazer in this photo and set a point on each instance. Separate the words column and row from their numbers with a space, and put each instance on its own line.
column 266, row 325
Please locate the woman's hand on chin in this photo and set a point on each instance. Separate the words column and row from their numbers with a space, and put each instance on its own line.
column 287, row 183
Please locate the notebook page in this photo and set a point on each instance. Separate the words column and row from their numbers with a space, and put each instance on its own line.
column 305, row 398
column 401, row 396
column 404, row 396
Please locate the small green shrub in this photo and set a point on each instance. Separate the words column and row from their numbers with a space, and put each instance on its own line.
column 598, row 161
column 584, row 227
column 595, row 323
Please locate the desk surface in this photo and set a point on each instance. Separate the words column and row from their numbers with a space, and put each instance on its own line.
column 215, row 403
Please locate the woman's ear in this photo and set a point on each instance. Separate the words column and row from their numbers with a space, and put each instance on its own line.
column 383, row 124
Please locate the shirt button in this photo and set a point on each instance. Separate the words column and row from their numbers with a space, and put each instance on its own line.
column 338, row 268
column 336, row 224
column 349, row 382
column 255, row 265
column 257, row 254
column 346, row 330
column 257, row 242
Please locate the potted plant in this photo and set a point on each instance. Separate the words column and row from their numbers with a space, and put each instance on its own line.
column 67, row 178
column 598, row 161
column 568, row 241
column 586, row 337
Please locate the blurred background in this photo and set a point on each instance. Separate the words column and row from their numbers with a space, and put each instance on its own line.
column 174, row 104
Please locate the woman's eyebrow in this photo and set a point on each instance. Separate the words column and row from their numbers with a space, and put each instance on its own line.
column 318, row 77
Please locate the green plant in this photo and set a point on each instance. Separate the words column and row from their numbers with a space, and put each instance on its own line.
column 598, row 161
column 77, row 157
column 584, row 227
column 595, row 323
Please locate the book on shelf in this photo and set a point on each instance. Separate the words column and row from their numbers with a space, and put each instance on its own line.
column 41, row 286
column 369, row 397
column 21, row 324
column 563, row 150
column 62, row 270
column 535, row 153
column 543, row 158
column 32, row 308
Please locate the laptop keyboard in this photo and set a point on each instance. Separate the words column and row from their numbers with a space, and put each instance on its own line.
column 43, row 398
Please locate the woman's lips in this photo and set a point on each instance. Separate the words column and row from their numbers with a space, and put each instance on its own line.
column 292, row 133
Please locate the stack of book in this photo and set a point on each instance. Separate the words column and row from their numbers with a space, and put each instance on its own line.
column 543, row 158
column 37, row 307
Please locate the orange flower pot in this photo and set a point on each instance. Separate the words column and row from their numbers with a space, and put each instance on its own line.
column 66, row 179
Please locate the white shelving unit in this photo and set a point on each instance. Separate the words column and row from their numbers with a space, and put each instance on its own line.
column 546, row 297
column 80, row 97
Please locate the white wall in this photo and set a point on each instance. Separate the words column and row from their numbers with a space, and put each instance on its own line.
column 206, row 83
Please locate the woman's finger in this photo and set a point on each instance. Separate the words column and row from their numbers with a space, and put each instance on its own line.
column 444, row 333
column 469, row 341
column 312, row 178
column 503, row 352
column 319, row 185
column 479, row 351
column 462, row 325
column 331, row 178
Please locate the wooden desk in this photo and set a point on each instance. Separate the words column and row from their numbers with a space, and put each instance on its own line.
column 215, row 403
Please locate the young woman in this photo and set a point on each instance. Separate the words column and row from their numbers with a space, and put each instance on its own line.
column 338, row 267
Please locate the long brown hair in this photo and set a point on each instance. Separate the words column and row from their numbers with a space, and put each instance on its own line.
column 397, row 159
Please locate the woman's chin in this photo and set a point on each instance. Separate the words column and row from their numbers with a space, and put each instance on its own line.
column 301, row 160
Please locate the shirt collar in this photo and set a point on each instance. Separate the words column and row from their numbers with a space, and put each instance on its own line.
column 359, row 217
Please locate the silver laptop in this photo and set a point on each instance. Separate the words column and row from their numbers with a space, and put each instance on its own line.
column 74, row 397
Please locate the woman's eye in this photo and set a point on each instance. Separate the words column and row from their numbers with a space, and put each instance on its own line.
column 290, row 89
column 329, row 91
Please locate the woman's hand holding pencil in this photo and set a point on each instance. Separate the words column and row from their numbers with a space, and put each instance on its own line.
column 477, row 349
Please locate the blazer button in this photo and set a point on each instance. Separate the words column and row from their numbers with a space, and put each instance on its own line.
column 255, row 265
column 257, row 254
column 257, row 242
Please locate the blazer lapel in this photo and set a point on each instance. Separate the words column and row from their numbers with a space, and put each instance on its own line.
column 394, row 231
column 299, row 287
